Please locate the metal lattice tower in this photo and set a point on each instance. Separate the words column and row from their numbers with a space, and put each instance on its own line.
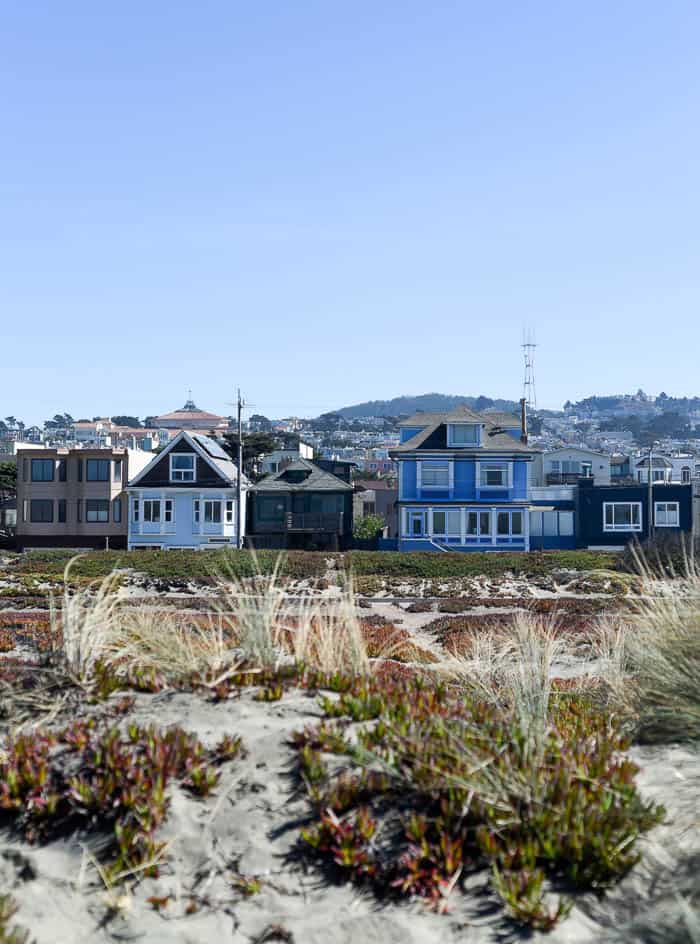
column 529, row 389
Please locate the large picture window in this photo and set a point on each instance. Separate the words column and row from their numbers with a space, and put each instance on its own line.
column 447, row 522
column 478, row 523
column 151, row 510
column 465, row 434
column 42, row 470
column 182, row 467
column 97, row 470
column 622, row 516
column 667, row 514
column 212, row 512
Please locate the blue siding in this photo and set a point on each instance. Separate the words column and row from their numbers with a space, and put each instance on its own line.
column 408, row 480
column 465, row 479
column 519, row 490
column 408, row 432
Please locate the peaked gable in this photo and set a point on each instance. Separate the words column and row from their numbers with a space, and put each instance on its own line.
column 210, row 471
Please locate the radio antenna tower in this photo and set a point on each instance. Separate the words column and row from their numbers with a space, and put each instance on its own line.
column 529, row 390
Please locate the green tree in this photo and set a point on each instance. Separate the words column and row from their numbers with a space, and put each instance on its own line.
column 8, row 476
column 133, row 421
column 367, row 528
column 254, row 446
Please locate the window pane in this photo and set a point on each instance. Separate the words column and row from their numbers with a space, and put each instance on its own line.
column 435, row 475
column 516, row 522
column 416, row 524
column 471, row 522
column 41, row 510
column 623, row 514
column 454, row 523
column 484, row 522
column 97, row 470
column 536, row 523
column 439, row 522
column 502, row 525
column 464, row 435
column 549, row 523
column 212, row 512
column 96, row 510
column 566, row 523
column 117, row 513
column 42, row 470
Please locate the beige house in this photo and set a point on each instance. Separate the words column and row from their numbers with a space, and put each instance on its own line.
column 74, row 497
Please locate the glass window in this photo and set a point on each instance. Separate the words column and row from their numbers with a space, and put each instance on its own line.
column 555, row 465
column 151, row 510
column 454, row 523
column 550, row 524
column 465, row 435
column 566, row 523
column 502, row 523
column 439, row 522
column 80, row 470
column 494, row 476
column 168, row 509
column 79, row 510
column 41, row 509
column 229, row 512
column 435, row 475
column 135, row 510
column 622, row 516
column 484, row 522
column 516, row 522
column 61, row 470
column 62, row 510
column 536, row 524
column 97, row 470
column 472, row 522
column 416, row 523
column 195, row 511
column 667, row 514
column 270, row 509
column 182, row 467
column 117, row 470
column 685, row 474
column 117, row 510
column 42, row 470
column 212, row 512
column 96, row 510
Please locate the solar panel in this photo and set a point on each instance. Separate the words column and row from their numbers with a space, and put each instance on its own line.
column 211, row 446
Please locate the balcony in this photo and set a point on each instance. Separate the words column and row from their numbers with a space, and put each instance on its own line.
column 314, row 521
column 565, row 478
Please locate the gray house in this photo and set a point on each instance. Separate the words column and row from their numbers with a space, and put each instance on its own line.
column 302, row 506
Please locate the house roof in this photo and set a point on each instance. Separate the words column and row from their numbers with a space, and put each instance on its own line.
column 658, row 462
column 207, row 448
column 315, row 480
column 459, row 414
column 593, row 452
column 434, row 437
column 508, row 420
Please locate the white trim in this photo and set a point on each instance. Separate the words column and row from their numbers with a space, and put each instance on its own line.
column 202, row 453
column 419, row 475
column 189, row 455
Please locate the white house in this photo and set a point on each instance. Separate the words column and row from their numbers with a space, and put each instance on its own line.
column 566, row 465
column 186, row 497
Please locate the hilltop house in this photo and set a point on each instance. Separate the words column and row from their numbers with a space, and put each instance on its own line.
column 302, row 506
column 567, row 465
column 186, row 497
column 463, row 483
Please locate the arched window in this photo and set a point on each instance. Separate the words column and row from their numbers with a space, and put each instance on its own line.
column 685, row 474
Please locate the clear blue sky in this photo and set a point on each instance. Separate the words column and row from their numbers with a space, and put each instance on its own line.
column 325, row 203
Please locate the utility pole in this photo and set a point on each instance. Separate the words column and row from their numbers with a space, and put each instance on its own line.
column 239, row 530
column 650, row 499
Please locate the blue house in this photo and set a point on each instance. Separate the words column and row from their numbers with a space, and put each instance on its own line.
column 463, row 482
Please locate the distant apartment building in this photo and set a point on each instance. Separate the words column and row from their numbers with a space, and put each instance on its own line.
column 567, row 465
column 74, row 497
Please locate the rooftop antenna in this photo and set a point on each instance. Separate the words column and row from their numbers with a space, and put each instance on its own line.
column 529, row 391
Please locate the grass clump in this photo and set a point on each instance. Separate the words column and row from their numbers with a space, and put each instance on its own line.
column 498, row 769
column 91, row 776
column 9, row 933
column 651, row 663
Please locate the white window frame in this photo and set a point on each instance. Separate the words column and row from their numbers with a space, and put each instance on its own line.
column 229, row 511
column 666, row 505
column 178, row 475
column 509, row 512
column 416, row 514
column 135, row 509
column 686, row 475
column 168, row 511
column 440, row 466
column 446, row 533
column 479, row 533
column 626, row 528
column 485, row 467
column 149, row 507
column 211, row 502
column 195, row 510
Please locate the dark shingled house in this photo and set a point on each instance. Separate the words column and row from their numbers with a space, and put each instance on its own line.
column 303, row 507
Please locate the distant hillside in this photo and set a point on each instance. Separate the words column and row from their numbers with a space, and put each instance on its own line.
column 428, row 402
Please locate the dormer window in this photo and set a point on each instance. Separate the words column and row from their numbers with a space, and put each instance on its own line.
column 464, row 434
column 182, row 467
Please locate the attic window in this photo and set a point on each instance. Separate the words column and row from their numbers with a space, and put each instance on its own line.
column 296, row 475
column 465, row 434
column 182, row 466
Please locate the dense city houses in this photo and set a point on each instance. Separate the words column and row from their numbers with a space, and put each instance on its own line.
column 455, row 478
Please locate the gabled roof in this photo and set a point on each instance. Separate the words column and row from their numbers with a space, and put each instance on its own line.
column 507, row 420
column 657, row 462
column 460, row 414
column 434, row 437
column 207, row 449
column 314, row 479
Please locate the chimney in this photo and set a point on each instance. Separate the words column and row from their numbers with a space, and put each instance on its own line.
column 523, row 420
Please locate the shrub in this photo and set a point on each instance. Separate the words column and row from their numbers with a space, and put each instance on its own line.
column 369, row 527
column 429, row 564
